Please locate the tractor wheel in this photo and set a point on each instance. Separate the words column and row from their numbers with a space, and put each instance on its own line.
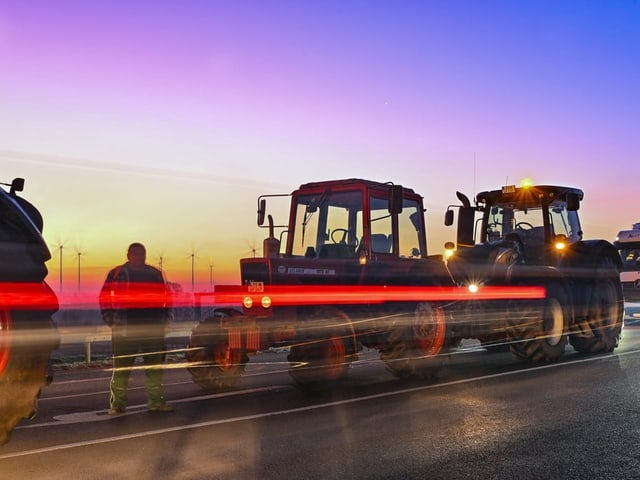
column 604, row 319
column 318, row 363
column 413, row 349
column 24, row 362
column 537, row 330
column 212, row 364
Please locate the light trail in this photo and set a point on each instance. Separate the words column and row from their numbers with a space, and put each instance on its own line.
column 32, row 296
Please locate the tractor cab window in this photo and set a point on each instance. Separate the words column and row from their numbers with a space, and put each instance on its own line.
column 327, row 225
column 528, row 222
column 381, row 226
column 411, row 230
column 564, row 222
column 508, row 219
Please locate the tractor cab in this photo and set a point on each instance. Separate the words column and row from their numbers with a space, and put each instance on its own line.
column 341, row 232
column 353, row 219
column 534, row 221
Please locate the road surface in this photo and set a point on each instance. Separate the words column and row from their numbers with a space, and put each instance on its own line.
column 485, row 416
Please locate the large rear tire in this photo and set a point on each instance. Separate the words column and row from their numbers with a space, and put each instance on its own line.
column 605, row 317
column 26, row 341
column 213, row 365
column 537, row 330
column 414, row 346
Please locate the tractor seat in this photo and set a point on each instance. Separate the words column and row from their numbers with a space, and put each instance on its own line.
column 380, row 243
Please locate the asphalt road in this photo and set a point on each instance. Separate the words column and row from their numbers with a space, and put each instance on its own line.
column 486, row 416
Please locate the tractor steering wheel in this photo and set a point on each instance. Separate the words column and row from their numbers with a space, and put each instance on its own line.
column 519, row 225
column 343, row 239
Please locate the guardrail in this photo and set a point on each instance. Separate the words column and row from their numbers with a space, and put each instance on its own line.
column 88, row 335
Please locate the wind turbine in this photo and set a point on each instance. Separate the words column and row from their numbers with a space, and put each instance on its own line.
column 193, row 256
column 79, row 254
column 60, row 246
column 211, row 275
column 252, row 249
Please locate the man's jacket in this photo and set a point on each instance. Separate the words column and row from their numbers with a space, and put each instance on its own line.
column 134, row 296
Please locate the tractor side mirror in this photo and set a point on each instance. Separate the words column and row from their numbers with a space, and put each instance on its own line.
column 448, row 218
column 573, row 202
column 17, row 185
column 262, row 208
column 395, row 202
column 466, row 224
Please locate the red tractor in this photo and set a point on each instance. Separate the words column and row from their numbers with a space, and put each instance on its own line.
column 27, row 331
column 323, row 294
column 531, row 235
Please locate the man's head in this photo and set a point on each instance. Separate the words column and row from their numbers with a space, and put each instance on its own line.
column 137, row 254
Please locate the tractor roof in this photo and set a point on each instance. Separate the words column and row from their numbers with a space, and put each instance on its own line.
column 346, row 183
column 528, row 196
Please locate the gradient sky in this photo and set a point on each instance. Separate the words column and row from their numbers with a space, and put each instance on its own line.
column 162, row 121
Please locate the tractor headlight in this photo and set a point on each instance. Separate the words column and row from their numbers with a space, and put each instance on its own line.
column 247, row 302
column 266, row 302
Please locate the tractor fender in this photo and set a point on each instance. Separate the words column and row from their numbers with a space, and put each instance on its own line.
column 585, row 262
column 597, row 250
column 584, row 257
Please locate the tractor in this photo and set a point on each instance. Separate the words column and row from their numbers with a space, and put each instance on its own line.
column 319, row 289
column 531, row 235
column 27, row 331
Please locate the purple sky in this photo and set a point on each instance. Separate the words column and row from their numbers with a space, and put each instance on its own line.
column 212, row 103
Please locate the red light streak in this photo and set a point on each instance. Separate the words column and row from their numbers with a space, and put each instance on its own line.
column 315, row 295
column 30, row 296
column 38, row 296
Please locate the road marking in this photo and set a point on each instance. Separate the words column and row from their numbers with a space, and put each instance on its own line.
column 290, row 411
column 101, row 415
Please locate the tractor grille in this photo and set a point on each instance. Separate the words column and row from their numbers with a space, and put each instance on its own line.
column 254, row 271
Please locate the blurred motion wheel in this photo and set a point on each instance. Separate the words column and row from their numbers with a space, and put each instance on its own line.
column 27, row 341
column 605, row 318
column 537, row 330
column 317, row 363
column 415, row 345
column 213, row 365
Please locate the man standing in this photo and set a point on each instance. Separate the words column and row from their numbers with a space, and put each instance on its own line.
column 134, row 303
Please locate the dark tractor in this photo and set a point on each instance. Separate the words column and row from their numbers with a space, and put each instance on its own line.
column 531, row 236
column 27, row 331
